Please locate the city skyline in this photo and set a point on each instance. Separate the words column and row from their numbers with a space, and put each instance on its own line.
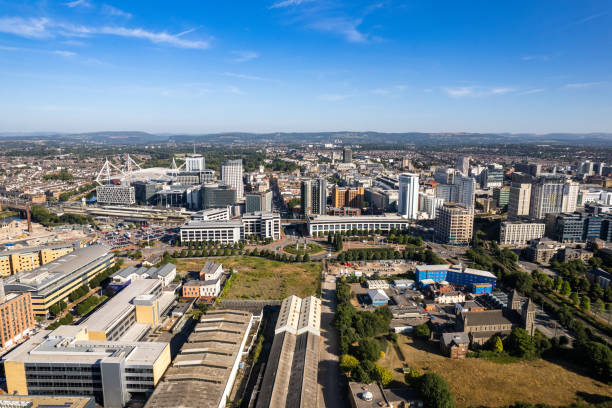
column 305, row 65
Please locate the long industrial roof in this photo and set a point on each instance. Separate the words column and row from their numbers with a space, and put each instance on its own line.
column 199, row 374
column 43, row 276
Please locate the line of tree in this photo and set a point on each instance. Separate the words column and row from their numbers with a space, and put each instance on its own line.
column 48, row 219
column 88, row 304
column 66, row 195
column 78, row 293
column 360, row 347
column 264, row 253
column 414, row 254
column 335, row 241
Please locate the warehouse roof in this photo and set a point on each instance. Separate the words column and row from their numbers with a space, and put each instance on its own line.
column 52, row 272
column 200, row 373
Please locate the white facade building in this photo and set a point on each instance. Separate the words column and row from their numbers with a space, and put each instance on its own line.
column 195, row 163
column 520, row 233
column 429, row 204
column 466, row 191
column 231, row 174
column 408, row 202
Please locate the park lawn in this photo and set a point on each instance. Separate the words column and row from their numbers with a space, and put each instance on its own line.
column 260, row 278
column 312, row 249
column 479, row 382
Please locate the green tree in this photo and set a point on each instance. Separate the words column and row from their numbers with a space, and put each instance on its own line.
column 585, row 303
column 368, row 349
column 600, row 306
column 558, row 283
column 383, row 375
column 422, row 331
column 499, row 345
column 521, row 344
column 434, row 391
column 348, row 363
column 566, row 289
column 574, row 298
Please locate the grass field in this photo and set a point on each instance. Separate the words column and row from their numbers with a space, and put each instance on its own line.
column 312, row 249
column 260, row 278
column 476, row 382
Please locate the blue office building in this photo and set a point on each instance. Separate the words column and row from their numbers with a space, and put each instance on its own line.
column 436, row 273
column 455, row 274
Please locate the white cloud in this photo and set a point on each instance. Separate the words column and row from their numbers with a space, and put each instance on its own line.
column 460, row 91
column 476, row 91
column 582, row 85
column 234, row 90
column 244, row 56
column 501, row 91
column 243, row 76
column 287, row 3
column 29, row 28
column 345, row 27
column 64, row 53
column 535, row 58
column 155, row 37
column 114, row 11
column 78, row 3
column 532, row 91
column 44, row 28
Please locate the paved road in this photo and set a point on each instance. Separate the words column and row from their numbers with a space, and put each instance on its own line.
column 329, row 369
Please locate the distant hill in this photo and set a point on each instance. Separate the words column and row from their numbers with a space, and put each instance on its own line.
column 244, row 138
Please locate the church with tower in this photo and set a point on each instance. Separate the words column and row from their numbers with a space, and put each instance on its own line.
column 482, row 325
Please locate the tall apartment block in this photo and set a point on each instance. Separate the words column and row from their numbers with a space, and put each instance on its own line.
column 519, row 200
column 347, row 155
column 454, row 224
column 408, row 198
column 314, row 196
column 348, row 197
column 231, row 174
column 16, row 317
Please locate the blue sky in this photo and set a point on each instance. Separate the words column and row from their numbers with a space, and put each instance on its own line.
column 306, row 65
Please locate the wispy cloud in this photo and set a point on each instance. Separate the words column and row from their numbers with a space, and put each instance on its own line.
column 288, row 3
column 234, row 90
column 78, row 3
column 460, row 91
column 501, row 91
column 589, row 18
column 334, row 97
column 330, row 17
column 476, row 91
column 114, row 11
column 243, row 76
column 39, row 28
column 582, row 85
column 535, row 57
column 64, row 53
column 163, row 37
column 532, row 91
column 345, row 27
column 29, row 28
column 390, row 90
column 244, row 56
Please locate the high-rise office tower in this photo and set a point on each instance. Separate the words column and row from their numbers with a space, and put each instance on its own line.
column 408, row 198
column 195, row 163
column 454, row 224
column 319, row 196
column 492, row 176
column 313, row 195
column 445, row 175
column 231, row 174
column 519, row 200
column 306, row 197
column 466, row 191
column 546, row 196
column 586, row 167
column 347, row 155
column 463, row 165
column 570, row 196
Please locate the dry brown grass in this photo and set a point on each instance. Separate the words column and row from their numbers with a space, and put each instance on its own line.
column 476, row 382
column 260, row 278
